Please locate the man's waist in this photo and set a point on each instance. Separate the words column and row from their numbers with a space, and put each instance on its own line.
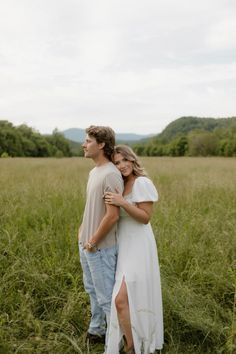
column 108, row 241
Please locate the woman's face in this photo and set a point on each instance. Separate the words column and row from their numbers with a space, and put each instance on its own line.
column 123, row 165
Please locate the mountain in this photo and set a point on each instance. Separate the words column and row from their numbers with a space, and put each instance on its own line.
column 184, row 125
column 192, row 136
column 78, row 135
column 130, row 137
column 74, row 134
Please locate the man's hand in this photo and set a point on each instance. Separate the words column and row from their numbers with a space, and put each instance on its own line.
column 90, row 247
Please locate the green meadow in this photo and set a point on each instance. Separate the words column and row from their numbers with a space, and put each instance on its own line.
column 43, row 306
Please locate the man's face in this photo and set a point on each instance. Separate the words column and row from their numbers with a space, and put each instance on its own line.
column 91, row 148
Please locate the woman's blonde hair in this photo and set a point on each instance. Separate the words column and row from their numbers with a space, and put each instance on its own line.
column 130, row 155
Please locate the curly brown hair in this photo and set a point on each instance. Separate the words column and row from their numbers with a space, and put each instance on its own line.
column 103, row 135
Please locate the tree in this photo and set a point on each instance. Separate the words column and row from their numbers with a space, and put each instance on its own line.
column 10, row 140
column 60, row 143
column 202, row 144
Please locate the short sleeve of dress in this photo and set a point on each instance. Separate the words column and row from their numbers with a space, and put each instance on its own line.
column 144, row 190
column 113, row 182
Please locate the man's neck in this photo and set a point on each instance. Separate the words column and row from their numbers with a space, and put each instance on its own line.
column 101, row 160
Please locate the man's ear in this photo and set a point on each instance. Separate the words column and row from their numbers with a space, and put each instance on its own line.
column 101, row 145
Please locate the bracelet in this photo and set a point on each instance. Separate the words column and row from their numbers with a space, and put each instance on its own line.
column 91, row 245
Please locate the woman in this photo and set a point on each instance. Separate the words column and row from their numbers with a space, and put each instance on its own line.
column 136, row 311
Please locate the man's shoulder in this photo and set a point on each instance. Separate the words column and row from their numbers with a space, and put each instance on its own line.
column 113, row 180
column 113, row 171
column 106, row 171
column 112, row 168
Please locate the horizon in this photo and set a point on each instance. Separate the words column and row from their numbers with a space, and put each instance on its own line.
column 116, row 132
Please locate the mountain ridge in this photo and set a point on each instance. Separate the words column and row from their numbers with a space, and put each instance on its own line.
column 78, row 135
column 186, row 124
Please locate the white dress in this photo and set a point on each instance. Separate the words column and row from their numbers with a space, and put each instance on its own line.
column 138, row 265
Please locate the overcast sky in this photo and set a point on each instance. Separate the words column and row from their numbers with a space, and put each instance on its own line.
column 135, row 65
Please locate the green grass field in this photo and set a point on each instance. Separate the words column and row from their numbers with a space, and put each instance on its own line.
column 43, row 306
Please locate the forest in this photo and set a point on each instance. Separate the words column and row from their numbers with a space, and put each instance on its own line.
column 186, row 136
column 193, row 136
column 23, row 141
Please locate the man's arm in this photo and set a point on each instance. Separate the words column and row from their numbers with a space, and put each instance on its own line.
column 108, row 221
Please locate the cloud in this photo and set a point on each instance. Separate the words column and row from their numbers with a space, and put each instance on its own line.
column 222, row 35
column 134, row 65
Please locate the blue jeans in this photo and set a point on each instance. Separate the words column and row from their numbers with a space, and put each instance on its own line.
column 99, row 277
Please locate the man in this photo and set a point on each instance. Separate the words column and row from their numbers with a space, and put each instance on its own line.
column 97, row 233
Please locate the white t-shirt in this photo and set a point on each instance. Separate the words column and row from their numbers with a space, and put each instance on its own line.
column 102, row 179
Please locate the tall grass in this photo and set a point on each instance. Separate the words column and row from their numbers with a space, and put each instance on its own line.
column 43, row 306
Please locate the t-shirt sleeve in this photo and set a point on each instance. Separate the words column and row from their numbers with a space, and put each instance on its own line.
column 113, row 182
column 144, row 191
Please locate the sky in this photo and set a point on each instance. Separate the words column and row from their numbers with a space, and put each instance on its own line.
column 133, row 65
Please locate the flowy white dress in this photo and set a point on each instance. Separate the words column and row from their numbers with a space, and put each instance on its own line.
column 139, row 267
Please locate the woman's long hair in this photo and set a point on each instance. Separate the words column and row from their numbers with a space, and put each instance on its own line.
column 129, row 154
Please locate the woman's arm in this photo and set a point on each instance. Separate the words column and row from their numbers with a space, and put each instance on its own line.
column 140, row 211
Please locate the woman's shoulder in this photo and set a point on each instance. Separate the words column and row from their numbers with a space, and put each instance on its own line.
column 144, row 189
column 143, row 180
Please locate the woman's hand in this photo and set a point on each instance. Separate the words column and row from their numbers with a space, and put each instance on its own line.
column 114, row 199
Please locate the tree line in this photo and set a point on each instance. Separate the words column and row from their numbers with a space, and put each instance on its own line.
column 186, row 136
column 23, row 141
column 189, row 136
